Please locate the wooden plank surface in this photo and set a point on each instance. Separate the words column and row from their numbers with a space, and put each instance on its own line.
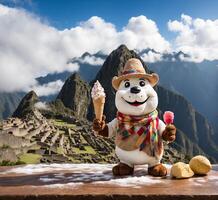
column 95, row 181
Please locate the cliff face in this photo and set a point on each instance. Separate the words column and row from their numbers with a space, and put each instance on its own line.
column 75, row 94
column 26, row 105
column 190, row 122
column 200, row 86
column 195, row 131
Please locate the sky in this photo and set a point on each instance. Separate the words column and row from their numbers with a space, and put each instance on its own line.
column 39, row 36
column 68, row 13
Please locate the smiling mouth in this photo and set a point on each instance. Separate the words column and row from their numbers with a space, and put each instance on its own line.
column 136, row 103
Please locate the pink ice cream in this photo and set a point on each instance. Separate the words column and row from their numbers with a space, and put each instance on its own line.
column 168, row 117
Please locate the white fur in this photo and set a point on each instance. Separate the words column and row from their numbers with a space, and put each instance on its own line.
column 136, row 157
column 124, row 94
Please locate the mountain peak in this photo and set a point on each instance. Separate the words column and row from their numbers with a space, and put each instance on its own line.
column 112, row 66
column 85, row 54
column 31, row 95
column 122, row 47
column 26, row 105
column 75, row 95
column 75, row 76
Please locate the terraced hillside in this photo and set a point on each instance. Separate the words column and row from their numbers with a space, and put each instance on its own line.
column 35, row 139
column 52, row 141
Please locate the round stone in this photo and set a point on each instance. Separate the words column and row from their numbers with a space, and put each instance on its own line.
column 181, row 170
column 200, row 165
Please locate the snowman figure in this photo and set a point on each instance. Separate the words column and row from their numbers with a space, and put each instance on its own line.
column 138, row 131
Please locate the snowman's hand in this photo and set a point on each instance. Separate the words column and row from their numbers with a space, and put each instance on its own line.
column 100, row 127
column 169, row 134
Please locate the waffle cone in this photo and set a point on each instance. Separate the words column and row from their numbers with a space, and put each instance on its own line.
column 99, row 107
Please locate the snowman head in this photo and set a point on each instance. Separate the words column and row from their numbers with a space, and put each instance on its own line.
column 135, row 94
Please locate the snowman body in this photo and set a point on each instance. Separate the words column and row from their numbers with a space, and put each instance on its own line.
column 135, row 97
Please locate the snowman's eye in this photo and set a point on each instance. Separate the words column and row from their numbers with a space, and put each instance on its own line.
column 142, row 83
column 127, row 84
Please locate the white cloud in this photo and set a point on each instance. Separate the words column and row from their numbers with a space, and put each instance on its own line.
column 47, row 89
column 28, row 49
column 42, row 106
column 141, row 33
column 72, row 67
column 31, row 48
column 196, row 37
column 96, row 35
column 91, row 60
column 151, row 57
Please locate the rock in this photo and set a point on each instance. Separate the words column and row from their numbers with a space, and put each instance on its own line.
column 194, row 134
column 181, row 170
column 7, row 154
column 200, row 165
column 26, row 105
column 18, row 132
column 13, row 141
column 81, row 147
column 55, row 137
column 46, row 134
column 59, row 158
column 75, row 94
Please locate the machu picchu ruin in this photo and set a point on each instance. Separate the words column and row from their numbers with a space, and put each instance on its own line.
column 53, row 140
column 35, row 139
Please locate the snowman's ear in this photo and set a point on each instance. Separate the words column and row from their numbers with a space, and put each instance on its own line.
column 115, row 82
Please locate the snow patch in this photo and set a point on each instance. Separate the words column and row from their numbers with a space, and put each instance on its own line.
column 59, row 185
column 77, row 174
column 39, row 168
column 135, row 182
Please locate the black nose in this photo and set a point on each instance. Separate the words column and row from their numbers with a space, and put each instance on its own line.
column 135, row 90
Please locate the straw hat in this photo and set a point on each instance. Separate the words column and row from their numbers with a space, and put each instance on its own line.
column 134, row 69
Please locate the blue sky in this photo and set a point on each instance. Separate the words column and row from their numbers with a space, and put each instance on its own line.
column 68, row 13
column 38, row 37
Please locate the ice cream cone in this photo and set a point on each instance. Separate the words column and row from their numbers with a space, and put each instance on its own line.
column 99, row 107
column 98, row 98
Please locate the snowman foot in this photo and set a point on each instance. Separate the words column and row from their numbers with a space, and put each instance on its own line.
column 122, row 169
column 157, row 170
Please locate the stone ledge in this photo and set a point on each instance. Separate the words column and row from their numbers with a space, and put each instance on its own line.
column 95, row 181
column 111, row 197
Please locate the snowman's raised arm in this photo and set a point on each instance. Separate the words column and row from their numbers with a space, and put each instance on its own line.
column 103, row 129
column 112, row 127
column 168, row 132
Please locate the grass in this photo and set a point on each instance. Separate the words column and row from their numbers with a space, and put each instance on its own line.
column 87, row 157
column 74, row 160
column 60, row 150
column 83, row 141
column 9, row 163
column 88, row 149
column 60, row 123
column 30, row 158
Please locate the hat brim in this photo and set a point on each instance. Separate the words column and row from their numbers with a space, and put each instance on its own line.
column 152, row 78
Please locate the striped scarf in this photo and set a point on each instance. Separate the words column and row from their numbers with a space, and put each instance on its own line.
column 146, row 126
